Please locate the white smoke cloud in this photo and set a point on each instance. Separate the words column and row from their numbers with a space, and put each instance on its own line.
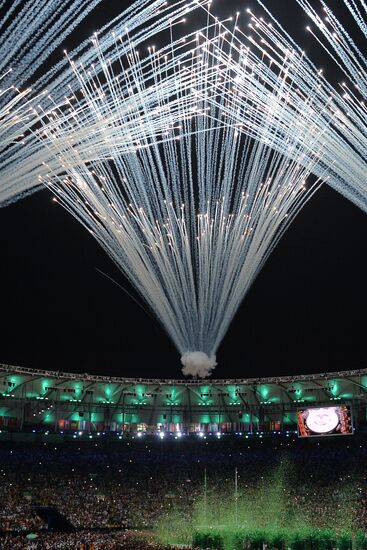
column 198, row 363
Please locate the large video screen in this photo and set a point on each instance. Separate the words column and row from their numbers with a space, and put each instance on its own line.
column 316, row 422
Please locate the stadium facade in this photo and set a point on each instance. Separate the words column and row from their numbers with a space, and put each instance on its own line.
column 66, row 402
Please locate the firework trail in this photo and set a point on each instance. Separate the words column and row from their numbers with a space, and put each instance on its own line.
column 189, row 208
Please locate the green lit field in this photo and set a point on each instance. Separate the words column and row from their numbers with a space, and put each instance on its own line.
column 248, row 515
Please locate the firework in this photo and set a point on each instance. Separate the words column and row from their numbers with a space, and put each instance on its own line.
column 28, row 42
column 266, row 65
column 188, row 211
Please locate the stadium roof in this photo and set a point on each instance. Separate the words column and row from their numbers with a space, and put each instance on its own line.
column 24, row 371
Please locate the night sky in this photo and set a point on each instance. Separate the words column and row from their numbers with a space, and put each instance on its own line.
column 305, row 312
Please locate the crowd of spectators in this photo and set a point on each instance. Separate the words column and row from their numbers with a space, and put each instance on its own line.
column 127, row 485
column 83, row 540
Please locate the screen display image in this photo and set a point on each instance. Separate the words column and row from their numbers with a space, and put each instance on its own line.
column 321, row 421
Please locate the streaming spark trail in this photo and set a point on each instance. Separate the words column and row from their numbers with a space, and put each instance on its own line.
column 268, row 66
column 31, row 32
column 341, row 47
column 191, row 213
column 32, row 29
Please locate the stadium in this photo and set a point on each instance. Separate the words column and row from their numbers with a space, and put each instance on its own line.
column 182, row 224
column 142, row 463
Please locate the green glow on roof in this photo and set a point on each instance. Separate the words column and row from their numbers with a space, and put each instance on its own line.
column 233, row 392
column 205, row 419
column 45, row 384
column 264, row 391
column 290, row 417
column 31, row 394
column 15, row 380
column 48, row 417
column 64, row 396
column 333, row 384
column 172, row 397
column 139, row 390
column 78, row 390
column 204, row 399
column 135, row 418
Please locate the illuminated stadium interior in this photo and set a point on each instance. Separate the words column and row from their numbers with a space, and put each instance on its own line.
column 64, row 402
column 203, row 175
